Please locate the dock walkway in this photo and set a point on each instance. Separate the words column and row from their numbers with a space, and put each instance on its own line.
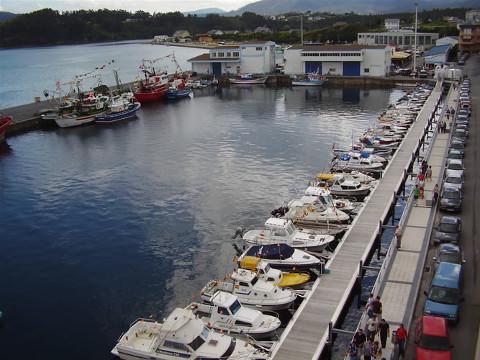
column 307, row 333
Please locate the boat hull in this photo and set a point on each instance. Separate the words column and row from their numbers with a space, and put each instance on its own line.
column 151, row 96
column 178, row 94
column 115, row 117
column 5, row 121
column 71, row 120
column 248, row 81
column 308, row 83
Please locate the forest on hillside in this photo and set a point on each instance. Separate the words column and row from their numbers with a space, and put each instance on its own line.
column 50, row 27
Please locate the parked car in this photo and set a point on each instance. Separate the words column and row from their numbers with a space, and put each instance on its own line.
column 448, row 253
column 448, row 230
column 458, row 145
column 454, row 167
column 445, row 292
column 463, row 112
column 432, row 340
column 461, row 126
column 459, row 133
column 450, row 199
column 454, row 181
column 423, row 74
column 454, row 154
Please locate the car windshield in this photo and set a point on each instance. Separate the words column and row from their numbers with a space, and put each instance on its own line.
column 443, row 295
column 434, row 342
column 451, row 195
column 449, row 257
column 457, row 145
column 450, row 228
column 453, row 180
column 454, row 156
column 455, row 167
column 235, row 307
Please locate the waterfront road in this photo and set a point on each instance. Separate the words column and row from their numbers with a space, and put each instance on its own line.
column 464, row 335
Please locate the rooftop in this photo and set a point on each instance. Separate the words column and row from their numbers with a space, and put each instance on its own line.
column 348, row 47
column 206, row 58
column 434, row 326
column 438, row 50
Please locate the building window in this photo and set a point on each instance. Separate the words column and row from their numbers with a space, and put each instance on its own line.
column 236, row 54
column 376, row 39
column 213, row 54
column 258, row 48
column 400, row 40
column 366, row 70
column 428, row 40
column 221, row 54
column 229, row 54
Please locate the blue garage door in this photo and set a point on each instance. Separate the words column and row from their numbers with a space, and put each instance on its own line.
column 313, row 67
column 351, row 68
column 217, row 69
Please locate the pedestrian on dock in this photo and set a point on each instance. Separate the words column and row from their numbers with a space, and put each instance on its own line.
column 367, row 351
column 352, row 351
column 371, row 328
column 416, row 193
column 377, row 308
column 384, row 329
column 368, row 306
column 422, row 192
column 436, row 191
column 398, row 236
column 376, row 351
column 420, row 179
column 452, row 112
column 401, row 339
column 429, row 173
column 359, row 339
column 424, row 166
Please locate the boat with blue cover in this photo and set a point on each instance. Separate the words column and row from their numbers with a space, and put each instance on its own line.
column 174, row 94
column 311, row 80
column 122, row 107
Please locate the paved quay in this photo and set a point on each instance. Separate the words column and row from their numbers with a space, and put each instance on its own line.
column 307, row 333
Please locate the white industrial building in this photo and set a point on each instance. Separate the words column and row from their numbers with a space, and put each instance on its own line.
column 401, row 39
column 392, row 24
column 340, row 60
column 249, row 57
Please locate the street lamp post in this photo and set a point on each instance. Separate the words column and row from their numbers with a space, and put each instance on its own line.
column 415, row 40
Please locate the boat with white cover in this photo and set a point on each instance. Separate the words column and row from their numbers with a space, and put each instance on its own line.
column 344, row 205
column 346, row 162
column 283, row 257
column 344, row 187
column 227, row 314
column 283, row 231
column 181, row 336
column 312, row 210
column 251, row 291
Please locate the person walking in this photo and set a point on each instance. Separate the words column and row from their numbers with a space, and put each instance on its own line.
column 398, row 236
column 368, row 306
column 376, row 351
column 352, row 351
column 371, row 328
column 429, row 173
column 359, row 339
column 384, row 330
column 401, row 339
column 436, row 190
column 416, row 193
column 367, row 351
column 377, row 308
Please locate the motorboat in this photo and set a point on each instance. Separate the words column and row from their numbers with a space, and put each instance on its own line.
column 344, row 187
column 283, row 231
column 314, row 210
column 282, row 257
column 5, row 121
column 344, row 205
column 228, row 315
column 312, row 79
column 346, row 163
column 178, row 90
column 251, row 291
column 86, row 111
column 181, row 336
column 329, row 178
column 279, row 278
column 248, row 79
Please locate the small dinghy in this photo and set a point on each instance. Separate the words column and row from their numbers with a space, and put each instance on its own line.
column 226, row 314
column 251, row 291
column 283, row 257
column 283, row 231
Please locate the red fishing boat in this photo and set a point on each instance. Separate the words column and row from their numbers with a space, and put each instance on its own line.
column 152, row 88
column 4, row 122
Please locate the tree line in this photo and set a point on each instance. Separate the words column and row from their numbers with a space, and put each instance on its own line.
column 50, row 27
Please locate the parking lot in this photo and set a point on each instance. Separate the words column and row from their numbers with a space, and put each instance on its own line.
column 464, row 334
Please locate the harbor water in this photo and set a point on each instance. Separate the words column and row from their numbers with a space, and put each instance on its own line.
column 101, row 225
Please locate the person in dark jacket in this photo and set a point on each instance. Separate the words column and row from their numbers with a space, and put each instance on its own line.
column 384, row 330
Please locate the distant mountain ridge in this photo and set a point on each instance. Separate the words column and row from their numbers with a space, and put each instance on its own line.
column 275, row 7
column 5, row 15
column 206, row 11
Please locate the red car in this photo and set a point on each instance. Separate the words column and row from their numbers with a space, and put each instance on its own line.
column 431, row 339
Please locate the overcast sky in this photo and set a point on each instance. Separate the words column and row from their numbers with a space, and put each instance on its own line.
column 22, row 6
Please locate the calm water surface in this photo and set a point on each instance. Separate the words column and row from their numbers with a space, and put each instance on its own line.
column 101, row 225
column 25, row 73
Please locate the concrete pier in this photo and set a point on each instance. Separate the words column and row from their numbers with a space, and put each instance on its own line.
column 308, row 332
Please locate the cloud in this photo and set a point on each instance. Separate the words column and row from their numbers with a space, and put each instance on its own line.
column 23, row 6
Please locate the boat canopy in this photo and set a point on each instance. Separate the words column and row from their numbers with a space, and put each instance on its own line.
column 324, row 176
column 249, row 263
column 274, row 251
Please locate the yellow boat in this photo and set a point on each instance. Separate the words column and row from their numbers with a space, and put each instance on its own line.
column 279, row 278
column 324, row 176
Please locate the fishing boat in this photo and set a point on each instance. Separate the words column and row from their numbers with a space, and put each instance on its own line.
column 283, row 231
column 181, row 336
column 155, row 84
column 5, row 121
column 312, row 79
column 178, row 89
column 228, row 315
column 248, row 79
column 282, row 257
column 85, row 112
column 279, row 278
column 121, row 108
column 251, row 291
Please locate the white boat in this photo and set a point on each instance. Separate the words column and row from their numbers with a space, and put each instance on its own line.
column 313, row 210
column 251, row 291
column 312, row 79
column 86, row 112
column 181, row 336
column 283, row 257
column 227, row 314
column 344, row 205
column 248, row 79
column 349, row 187
column 283, row 231
column 346, row 163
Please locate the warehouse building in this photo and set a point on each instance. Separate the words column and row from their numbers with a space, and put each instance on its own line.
column 249, row 57
column 340, row 60
column 401, row 39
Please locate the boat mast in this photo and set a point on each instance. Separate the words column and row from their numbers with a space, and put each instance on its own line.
column 301, row 29
column 415, row 40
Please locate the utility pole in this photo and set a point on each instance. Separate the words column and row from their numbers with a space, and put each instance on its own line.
column 301, row 29
column 415, row 40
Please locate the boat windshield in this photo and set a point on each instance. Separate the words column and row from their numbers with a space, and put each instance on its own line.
column 434, row 342
column 326, row 200
column 254, row 281
column 235, row 307
column 267, row 268
column 290, row 228
column 197, row 342
column 443, row 295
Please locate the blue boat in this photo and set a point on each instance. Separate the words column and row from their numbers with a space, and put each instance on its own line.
column 175, row 94
column 129, row 111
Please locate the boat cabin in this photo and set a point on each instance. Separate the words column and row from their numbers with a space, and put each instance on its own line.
column 280, row 227
column 226, row 303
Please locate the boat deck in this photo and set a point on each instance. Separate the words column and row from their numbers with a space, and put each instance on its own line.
column 306, row 335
